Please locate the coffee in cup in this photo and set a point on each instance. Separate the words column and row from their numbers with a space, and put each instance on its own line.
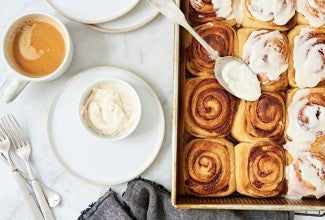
column 37, row 47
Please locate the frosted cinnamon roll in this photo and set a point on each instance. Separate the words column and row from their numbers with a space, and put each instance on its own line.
column 209, row 108
column 305, row 175
column 261, row 120
column 276, row 14
column 307, row 65
column 267, row 54
column 260, row 169
column 311, row 12
column 305, row 115
column 209, row 167
column 202, row 11
column 220, row 36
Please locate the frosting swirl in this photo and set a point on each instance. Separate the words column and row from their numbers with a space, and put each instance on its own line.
column 308, row 57
column 306, row 115
column 209, row 108
column 313, row 11
column 209, row 167
column 278, row 11
column 266, row 53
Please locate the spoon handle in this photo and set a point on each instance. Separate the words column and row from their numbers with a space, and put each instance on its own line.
column 171, row 11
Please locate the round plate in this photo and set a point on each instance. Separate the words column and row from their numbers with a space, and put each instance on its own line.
column 96, row 160
column 142, row 14
column 94, row 11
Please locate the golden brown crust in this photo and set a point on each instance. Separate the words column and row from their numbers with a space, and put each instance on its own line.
column 204, row 12
column 317, row 33
column 261, row 120
column 282, row 45
column 209, row 108
column 260, row 169
column 221, row 37
column 209, row 167
column 250, row 21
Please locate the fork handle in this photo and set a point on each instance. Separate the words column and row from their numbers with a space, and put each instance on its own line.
column 46, row 210
column 29, row 199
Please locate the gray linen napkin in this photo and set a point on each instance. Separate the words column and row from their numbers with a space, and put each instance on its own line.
column 144, row 199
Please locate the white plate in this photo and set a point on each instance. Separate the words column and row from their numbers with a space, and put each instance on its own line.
column 142, row 14
column 93, row 159
column 94, row 11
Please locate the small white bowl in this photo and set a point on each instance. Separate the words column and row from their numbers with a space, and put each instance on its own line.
column 137, row 110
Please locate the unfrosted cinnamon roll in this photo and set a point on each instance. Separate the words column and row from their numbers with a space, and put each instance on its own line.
column 276, row 14
column 261, row 120
column 305, row 175
column 199, row 12
column 209, row 108
column 267, row 54
column 209, row 167
column 220, row 36
column 311, row 12
column 260, row 169
column 305, row 115
column 307, row 65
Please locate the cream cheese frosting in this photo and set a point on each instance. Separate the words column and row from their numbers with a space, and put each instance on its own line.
column 308, row 59
column 263, row 56
column 314, row 13
column 223, row 8
column 109, row 109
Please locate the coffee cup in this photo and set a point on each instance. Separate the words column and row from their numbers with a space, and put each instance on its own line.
column 36, row 47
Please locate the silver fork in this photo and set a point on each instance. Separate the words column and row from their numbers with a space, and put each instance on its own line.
column 29, row 199
column 23, row 150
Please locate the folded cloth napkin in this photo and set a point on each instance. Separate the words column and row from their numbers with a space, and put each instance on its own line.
column 144, row 199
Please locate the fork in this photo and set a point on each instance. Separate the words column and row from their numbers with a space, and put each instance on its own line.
column 23, row 150
column 29, row 199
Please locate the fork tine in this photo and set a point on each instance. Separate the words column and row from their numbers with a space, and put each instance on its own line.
column 19, row 129
column 11, row 134
column 2, row 132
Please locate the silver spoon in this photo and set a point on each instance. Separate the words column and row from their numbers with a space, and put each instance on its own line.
column 244, row 88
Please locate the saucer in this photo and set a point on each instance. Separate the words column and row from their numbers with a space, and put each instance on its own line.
column 93, row 12
column 139, row 16
column 93, row 159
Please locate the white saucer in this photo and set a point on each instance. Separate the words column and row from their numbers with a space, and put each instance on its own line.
column 140, row 15
column 91, row 158
column 94, row 11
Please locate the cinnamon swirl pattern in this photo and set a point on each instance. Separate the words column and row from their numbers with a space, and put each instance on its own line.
column 306, row 115
column 306, row 175
column 220, row 36
column 311, row 12
column 209, row 108
column 260, row 170
column 276, row 14
column 261, row 120
column 199, row 12
column 209, row 167
column 307, row 67
column 267, row 54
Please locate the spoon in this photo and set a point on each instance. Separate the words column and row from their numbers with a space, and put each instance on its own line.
column 232, row 73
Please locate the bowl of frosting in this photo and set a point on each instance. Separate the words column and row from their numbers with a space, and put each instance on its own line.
column 110, row 109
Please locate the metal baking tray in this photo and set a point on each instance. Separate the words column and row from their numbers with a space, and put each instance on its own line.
column 239, row 202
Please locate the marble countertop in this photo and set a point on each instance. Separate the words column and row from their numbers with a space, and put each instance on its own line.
column 147, row 52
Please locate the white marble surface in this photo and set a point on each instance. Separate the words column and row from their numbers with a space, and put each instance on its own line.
column 147, row 52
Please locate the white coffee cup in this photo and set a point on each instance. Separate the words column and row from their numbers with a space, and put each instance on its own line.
column 16, row 80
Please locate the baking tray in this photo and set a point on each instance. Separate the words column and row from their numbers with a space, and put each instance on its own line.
column 236, row 201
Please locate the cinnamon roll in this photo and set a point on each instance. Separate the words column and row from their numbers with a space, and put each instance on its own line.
column 305, row 175
column 199, row 12
column 260, row 169
column 221, row 37
column 276, row 14
column 209, row 108
column 311, row 12
column 209, row 167
column 261, row 120
column 305, row 115
column 307, row 65
column 267, row 54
